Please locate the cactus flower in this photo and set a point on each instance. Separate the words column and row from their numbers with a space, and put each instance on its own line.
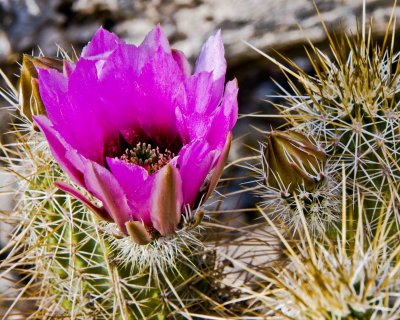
column 137, row 129
column 293, row 160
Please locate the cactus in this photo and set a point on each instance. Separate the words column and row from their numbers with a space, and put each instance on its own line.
column 87, row 246
column 351, row 107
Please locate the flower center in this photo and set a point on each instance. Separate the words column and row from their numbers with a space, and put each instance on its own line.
column 144, row 155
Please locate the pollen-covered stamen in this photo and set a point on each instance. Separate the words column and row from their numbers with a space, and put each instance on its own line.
column 152, row 159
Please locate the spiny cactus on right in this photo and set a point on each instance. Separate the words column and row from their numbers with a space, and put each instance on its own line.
column 351, row 106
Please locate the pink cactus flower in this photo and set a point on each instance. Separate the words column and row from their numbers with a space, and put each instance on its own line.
column 133, row 126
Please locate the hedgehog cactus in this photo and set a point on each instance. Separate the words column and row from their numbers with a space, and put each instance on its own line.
column 82, row 270
column 117, row 152
column 351, row 106
column 112, row 226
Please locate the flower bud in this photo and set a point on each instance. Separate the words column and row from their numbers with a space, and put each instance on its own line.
column 29, row 96
column 293, row 160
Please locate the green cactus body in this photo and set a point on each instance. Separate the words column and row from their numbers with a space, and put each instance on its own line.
column 353, row 276
column 356, row 115
column 350, row 107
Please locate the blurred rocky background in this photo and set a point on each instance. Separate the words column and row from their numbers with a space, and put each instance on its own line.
column 282, row 25
column 267, row 24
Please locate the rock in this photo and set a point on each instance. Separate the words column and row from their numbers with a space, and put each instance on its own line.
column 8, row 281
column 5, row 46
column 257, row 247
column 7, row 202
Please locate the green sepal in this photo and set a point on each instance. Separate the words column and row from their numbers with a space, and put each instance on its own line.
column 292, row 159
column 30, row 101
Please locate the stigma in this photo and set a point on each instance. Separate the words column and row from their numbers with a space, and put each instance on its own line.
column 145, row 155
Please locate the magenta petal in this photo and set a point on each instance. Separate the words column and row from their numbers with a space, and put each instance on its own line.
column 211, row 57
column 154, row 43
column 182, row 62
column 230, row 103
column 69, row 68
column 100, row 212
column 53, row 87
column 77, row 159
column 166, row 200
column 225, row 117
column 137, row 185
column 219, row 166
column 102, row 43
column 199, row 89
column 193, row 120
column 192, row 127
column 120, row 63
column 154, row 40
column 159, row 92
column 106, row 188
column 59, row 148
column 195, row 161
column 117, row 93
column 76, row 122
